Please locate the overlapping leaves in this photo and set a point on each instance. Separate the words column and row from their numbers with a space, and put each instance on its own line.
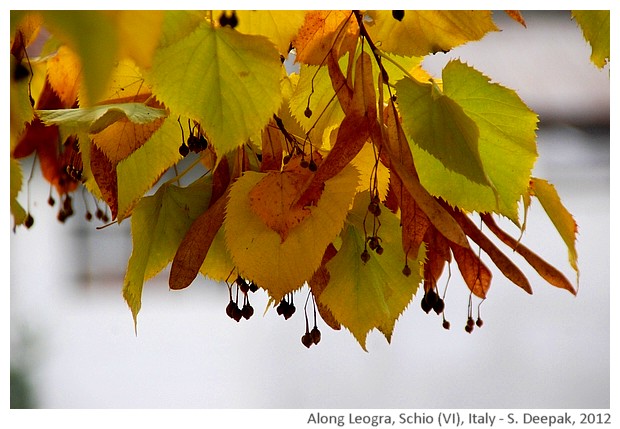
column 375, row 126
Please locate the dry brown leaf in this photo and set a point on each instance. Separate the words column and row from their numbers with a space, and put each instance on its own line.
column 543, row 268
column 195, row 245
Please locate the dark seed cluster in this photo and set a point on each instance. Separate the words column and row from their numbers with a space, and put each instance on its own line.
column 233, row 309
column 229, row 20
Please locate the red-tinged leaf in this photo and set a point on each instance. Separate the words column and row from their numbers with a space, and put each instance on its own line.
column 195, row 245
column 105, row 175
column 543, row 268
column 505, row 265
column 476, row 275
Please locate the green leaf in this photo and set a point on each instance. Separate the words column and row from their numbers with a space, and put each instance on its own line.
column 158, row 225
column 595, row 28
column 562, row 219
column 507, row 145
column 16, row 179
column 437, row 124
column 290, row 262
column 93, row 36
column 139, row 171
column 96, row 119
column 227, row 81
column 363, row 296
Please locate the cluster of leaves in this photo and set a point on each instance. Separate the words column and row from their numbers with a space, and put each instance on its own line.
column 357, row 174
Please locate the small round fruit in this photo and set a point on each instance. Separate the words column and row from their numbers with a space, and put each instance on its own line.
column 365, row 256
column 290, row 310
column 304, row 164
column 306, row 339
column 184, row 150
column 247, row 311
column 406, row 270
column 230, row 309
column 379, row 249
column 439, row 306
column 312, row 166
column 470, row 322
column 307, row 112
column 29, row 221
column 446, row 324
column 479, row 323
column 426, row 306
column 432, row 297
column 316, row 335
column 51, row 201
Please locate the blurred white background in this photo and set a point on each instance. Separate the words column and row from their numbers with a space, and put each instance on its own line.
column 72, row 334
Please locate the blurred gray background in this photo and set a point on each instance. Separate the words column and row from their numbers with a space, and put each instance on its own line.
column 73, row 343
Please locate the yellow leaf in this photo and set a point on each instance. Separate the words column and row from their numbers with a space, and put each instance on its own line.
column 258, row 251
column 140, row 31
column 324, row 31
column 422, row 32
column 280, row 26
column 64, row 74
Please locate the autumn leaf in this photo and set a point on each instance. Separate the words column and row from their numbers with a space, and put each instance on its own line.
column 158, row 225
column 506, row 145
column 475, row 273
column 325, row 32
column 97, row 118
column 293, row 261
column 542, row 267
column 560, row 217
column 421, row 32
column 81, row 30
column 227, row 81
column 280, row 26
column 437, row 124
column 16, row 180
column 595, row 26
column 273, row 196
column 64, row 74
column 366, row 295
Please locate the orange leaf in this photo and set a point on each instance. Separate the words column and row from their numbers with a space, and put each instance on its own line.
column 516, row 15
column 195, row 245
column 543, row 268
column 324, row 31
column 123, row 137
column 273, row 196
column 64, row 74
column 476, row 275
column 104, row 174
